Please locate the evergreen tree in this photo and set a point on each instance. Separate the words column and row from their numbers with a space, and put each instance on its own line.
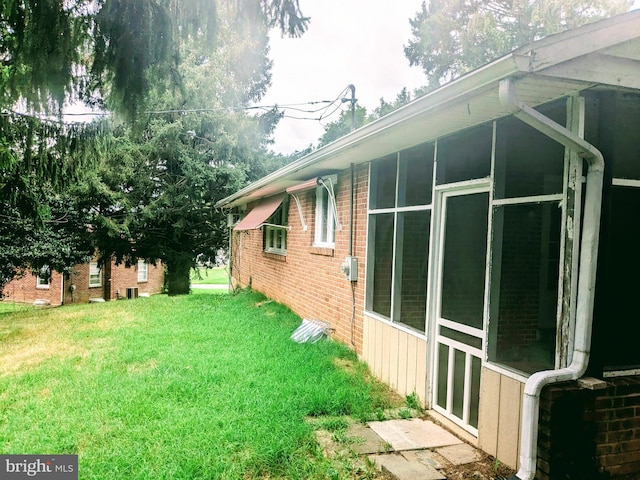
column 127, row 56
column 40, row 222
column 110, row 52
column 156, row 186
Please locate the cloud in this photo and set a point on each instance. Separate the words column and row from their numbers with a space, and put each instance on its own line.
column 357, row 42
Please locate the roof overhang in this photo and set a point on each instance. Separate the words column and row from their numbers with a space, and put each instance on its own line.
column 558, row 66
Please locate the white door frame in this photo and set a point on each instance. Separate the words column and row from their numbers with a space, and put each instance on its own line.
column 442, row 194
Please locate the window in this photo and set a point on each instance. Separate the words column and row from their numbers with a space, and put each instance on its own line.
column 526, row 238
column 275, row 230
column 399, row 235
column 465, row 155
column 95, row 275
column 143, row 271
column 524, row 285
column 325, row 229
column 43, row 280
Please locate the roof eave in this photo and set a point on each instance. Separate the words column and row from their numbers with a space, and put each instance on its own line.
column 464, row 87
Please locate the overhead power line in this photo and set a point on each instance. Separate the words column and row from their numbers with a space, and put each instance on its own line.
column 328, row 109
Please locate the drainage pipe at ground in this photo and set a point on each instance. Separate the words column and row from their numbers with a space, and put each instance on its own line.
column 586, row 279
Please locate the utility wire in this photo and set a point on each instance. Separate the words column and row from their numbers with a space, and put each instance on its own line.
column 322, row 111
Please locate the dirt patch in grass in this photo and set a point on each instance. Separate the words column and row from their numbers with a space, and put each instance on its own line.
column 105, row 324
column 29, row 342
column 26, row 357
column 485, row 469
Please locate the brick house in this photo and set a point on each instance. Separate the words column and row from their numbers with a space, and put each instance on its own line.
column 88, row 282
column 478, row 247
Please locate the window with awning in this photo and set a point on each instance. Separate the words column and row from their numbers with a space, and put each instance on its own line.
column 260, row 213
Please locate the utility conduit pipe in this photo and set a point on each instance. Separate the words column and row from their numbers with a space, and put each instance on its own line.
column 586, row 279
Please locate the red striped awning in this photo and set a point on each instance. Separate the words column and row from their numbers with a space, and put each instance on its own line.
column 304, row 186
column 260, row 213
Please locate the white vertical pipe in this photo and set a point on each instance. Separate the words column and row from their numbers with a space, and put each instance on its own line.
column 586, row 280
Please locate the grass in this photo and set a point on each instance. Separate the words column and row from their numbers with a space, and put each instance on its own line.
column 7, row 307
column 210, row 276
column 194, row 387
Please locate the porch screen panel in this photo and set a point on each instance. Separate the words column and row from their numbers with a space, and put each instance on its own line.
column 465, row 155
column 413, row 262
column 381, row 227
column 399, row 215
column 463, row 272
column 617, row 331
column 383, row 182
column 625, row 110
column 524, row 285
column 528, row 163
column 416, row 175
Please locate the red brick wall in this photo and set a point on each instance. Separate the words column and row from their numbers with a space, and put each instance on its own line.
column 82, row 292
column 123, row 278
column 588, row 434
column 24, row 289
column 308, row 279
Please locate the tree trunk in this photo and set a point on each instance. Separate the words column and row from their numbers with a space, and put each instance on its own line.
column 178, row 274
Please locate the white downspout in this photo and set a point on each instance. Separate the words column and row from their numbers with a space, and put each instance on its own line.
column 586, row 279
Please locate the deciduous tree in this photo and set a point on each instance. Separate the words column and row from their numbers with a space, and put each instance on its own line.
column 451, row 37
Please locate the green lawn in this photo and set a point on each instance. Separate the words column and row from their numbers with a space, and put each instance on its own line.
column 192, row 387
column 210, row 276
column 7, row 307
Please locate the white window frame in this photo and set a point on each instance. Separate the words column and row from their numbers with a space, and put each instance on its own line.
column 325, row 226
column 275, row 230
column 95, row 275
column 143, row 271
column 396, row 289
column 41, row 283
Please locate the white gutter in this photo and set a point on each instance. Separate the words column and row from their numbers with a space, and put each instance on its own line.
column 459, row 90
column 586, row 279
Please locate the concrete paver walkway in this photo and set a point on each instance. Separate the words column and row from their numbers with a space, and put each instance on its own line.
column 413, row 434
column 412, row 449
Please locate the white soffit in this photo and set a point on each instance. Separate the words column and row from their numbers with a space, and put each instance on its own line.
column 617, row 66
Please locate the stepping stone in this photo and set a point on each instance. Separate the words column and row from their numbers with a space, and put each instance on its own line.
column 400, row 468
column 325, row 440
column 460, row 454
column 426, row 457
column 414, row 434
column 365, row 440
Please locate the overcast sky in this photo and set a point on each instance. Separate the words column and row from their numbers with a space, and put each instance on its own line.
column 357, row 42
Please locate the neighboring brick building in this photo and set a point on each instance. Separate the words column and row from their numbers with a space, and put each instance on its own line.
column 87, row 282
column 459, row 245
